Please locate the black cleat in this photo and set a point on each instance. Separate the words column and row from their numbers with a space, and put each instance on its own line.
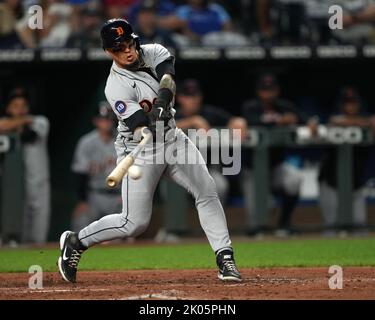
column 227, row 267
column 71, row 251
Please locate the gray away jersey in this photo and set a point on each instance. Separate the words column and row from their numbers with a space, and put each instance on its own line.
column 95, row 158
column 126, row 90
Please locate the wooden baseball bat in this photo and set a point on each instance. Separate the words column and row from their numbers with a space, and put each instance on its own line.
column 122, row 168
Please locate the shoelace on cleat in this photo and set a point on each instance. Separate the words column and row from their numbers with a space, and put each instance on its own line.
column 229, row 264
column 74, row 259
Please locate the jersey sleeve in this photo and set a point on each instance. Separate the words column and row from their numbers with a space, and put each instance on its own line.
column 81, row 159
column 40, row 125
column 122, row 100
column 155, row 54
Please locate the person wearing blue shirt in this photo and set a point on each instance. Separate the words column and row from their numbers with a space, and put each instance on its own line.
column 201, row 17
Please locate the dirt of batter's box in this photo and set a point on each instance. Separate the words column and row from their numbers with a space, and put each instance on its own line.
column 269, row 283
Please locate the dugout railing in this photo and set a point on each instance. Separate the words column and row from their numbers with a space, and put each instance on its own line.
column 261, row 140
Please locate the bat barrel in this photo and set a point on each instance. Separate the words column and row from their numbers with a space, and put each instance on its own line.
column 121, row 169
column 111, row 182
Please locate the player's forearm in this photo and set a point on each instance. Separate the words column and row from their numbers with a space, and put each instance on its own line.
column 136, row 120
column 166, row 91
column 12, row 124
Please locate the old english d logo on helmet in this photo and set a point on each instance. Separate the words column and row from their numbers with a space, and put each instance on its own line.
column 119, row 31
column 115, row 31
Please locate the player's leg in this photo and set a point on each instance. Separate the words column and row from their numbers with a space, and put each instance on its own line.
column 137, row 198
column 359, row 208
column 328, row 204
column 191, row 173
column 136, row 213
column 221, row 182
column 286, row 182
column 37, row 212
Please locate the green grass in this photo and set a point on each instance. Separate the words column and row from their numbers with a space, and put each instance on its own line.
column 289, row 253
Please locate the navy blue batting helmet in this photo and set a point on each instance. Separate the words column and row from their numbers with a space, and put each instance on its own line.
column 116, row 31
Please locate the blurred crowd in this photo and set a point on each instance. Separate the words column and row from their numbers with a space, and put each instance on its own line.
column 181, row 23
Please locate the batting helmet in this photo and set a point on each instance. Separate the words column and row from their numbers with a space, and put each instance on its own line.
column 116, row 31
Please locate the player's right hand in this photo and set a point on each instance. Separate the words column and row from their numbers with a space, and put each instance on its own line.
column 160, row 112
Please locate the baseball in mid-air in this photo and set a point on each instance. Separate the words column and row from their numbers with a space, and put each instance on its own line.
column 134, row 172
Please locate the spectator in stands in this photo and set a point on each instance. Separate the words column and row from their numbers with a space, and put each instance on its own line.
column 117, row 8
column 201, row 17
column 147, row 29
column 87, row 31
column 56, row 25
column 165, row 11
column 33, row 132
column 192, row 113
column 11, row 12
column 269, row 110
column 358, row 21
column 350, row 114
column 82, row 3
column 282, row 22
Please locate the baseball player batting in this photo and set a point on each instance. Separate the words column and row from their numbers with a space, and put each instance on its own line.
column 140, row 89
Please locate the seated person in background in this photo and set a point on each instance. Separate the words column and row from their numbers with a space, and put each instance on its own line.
column 269, row 110
column 10, row 14
column 165, row 11
column 86, row 31
column 117, row 8
column 192, row 113
column 358, row 22
column 201, row 17
column 146, row 26
column 33, row 132
column 56, row 24
column 350, row 115
column 94, row 159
